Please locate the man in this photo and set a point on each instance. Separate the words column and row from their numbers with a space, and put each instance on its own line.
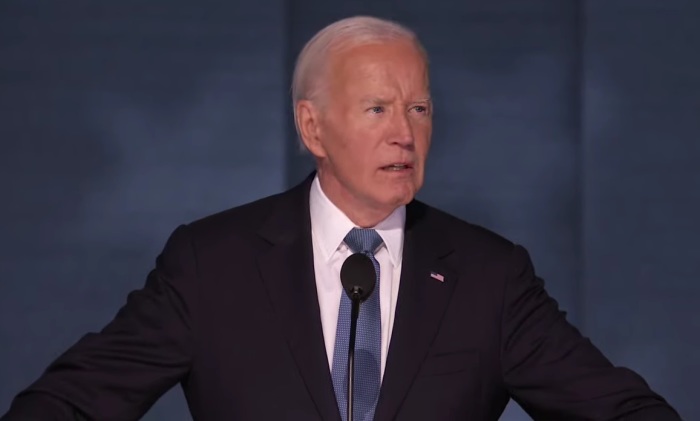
column 245, row 308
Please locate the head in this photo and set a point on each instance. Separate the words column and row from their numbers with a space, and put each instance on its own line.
column 363, row 110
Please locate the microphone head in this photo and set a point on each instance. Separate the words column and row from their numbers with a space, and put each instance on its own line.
column 358, row 276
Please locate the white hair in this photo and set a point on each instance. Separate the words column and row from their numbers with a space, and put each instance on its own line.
column 309, row 72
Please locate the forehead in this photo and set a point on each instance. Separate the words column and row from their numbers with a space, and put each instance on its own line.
column 389, row 66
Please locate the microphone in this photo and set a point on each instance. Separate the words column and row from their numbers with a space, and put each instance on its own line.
column 359, row 279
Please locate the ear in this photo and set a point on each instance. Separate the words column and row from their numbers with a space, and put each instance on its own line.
column 308, row 119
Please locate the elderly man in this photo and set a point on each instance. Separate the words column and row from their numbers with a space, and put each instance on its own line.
column 245, row 308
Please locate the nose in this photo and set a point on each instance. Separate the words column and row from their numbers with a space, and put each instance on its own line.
column 403, row 131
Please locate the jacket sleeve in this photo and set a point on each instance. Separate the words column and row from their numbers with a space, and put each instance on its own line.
column 553, row 371
column 119, row 372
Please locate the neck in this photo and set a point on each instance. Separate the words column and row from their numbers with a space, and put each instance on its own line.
column 361, row 214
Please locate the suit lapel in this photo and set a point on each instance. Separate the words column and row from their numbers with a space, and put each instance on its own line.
column 421, row 304
column 287, row 270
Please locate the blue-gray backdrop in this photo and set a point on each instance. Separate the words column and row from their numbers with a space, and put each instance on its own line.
column 572, row 127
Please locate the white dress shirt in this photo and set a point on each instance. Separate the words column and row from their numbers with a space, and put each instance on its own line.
column 329, row 226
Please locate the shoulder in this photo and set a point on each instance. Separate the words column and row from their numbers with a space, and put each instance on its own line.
column 471, row 242
column 245, row 217
column 464, row 235
column 232, row 227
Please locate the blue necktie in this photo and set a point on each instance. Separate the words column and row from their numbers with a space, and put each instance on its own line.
column 367, row 342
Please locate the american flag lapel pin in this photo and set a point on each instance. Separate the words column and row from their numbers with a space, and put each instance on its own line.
column 437, row 276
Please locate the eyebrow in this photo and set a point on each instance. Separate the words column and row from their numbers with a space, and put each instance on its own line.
column 377, row 100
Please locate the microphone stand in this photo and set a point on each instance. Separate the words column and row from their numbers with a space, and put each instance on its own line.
column 355, row 297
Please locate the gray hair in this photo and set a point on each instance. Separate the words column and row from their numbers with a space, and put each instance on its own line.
column 308, row 77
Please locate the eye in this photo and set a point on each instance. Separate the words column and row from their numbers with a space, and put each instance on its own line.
column 421, row 109
column 376, row 109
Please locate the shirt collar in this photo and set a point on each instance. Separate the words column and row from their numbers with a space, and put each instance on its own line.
column 330, row 225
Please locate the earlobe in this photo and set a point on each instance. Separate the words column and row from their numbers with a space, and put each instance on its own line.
column 308, row 122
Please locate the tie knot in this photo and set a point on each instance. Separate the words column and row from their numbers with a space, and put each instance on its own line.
column 363, row 240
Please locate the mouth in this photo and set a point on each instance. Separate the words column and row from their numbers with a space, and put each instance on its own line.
column 398, row 167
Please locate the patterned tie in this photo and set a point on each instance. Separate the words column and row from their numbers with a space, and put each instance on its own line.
column 367, row 342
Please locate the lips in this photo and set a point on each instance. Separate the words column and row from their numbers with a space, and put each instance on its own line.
column 398, row 166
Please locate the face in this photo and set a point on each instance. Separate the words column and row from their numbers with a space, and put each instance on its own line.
column 372, row 133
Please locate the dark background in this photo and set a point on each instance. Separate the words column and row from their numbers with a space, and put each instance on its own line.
column 572, row 127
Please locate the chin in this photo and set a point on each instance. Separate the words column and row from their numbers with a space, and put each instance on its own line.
column 391, row 196
column 402, row 199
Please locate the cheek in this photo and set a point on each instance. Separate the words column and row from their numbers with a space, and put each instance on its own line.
column 352, row 157
column 422, row 136
column 360, row 148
